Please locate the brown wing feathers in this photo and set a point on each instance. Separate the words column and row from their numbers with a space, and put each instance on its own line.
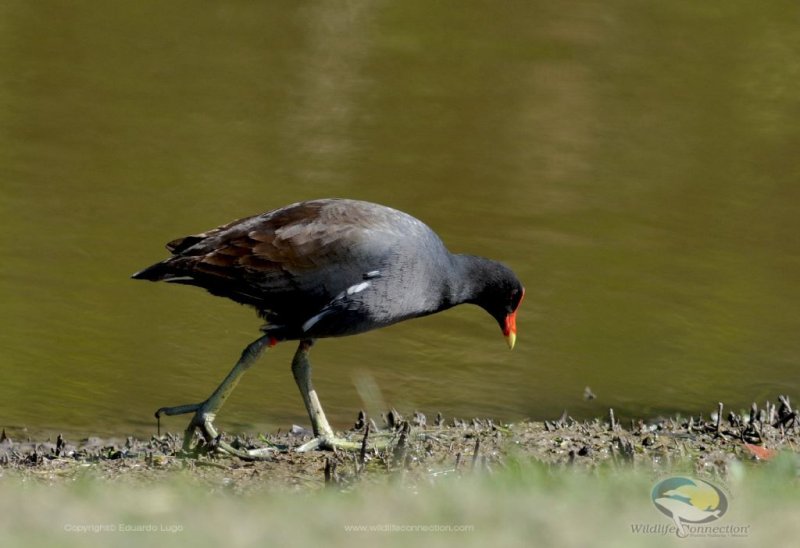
column 299, row 254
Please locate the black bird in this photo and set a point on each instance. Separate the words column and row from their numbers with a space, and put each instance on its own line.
column 328, row 268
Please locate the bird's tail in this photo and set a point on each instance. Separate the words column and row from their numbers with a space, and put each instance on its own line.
column 154, row 273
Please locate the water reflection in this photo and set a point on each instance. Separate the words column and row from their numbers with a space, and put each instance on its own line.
column 636, row 167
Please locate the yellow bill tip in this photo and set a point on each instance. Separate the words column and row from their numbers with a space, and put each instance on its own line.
column 511, row 339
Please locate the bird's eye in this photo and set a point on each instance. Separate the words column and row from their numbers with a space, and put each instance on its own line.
column 515, row 299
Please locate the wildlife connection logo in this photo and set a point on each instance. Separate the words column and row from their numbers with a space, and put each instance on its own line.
column 694, row 506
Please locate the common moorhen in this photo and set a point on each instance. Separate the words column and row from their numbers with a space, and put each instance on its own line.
column 328, row 268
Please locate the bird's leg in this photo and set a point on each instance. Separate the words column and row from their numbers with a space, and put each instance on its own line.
column 323, row 433
column 205, row 412
column 301, row 369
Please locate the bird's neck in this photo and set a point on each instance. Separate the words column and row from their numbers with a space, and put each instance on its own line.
column 469, row 277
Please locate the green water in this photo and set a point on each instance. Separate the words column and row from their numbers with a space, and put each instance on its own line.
column 635, row 163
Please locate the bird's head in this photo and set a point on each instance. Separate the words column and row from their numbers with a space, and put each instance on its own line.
column 500, row 295
column 504, row 310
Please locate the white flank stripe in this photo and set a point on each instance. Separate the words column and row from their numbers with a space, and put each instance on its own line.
column 312, row 320
column 353, row 289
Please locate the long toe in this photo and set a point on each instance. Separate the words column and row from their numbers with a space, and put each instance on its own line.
column 260, row 453
column 331, row 443
column 178, row 409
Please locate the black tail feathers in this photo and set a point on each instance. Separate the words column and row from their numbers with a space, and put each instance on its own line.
column 154, row 273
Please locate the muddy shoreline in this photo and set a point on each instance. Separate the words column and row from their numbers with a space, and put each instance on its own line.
column 419, row 450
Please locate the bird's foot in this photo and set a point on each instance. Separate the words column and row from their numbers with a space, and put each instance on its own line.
column 330, row 442
column 203, row 421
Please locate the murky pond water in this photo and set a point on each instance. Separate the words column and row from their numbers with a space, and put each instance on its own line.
column 635, row 164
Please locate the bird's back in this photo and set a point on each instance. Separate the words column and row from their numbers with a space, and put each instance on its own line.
column 293, row 262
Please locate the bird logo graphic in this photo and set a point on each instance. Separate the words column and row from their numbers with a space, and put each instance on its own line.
column 689, row 500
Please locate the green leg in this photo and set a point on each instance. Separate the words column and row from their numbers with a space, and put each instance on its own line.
column 206, row 412
column 324, row 437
